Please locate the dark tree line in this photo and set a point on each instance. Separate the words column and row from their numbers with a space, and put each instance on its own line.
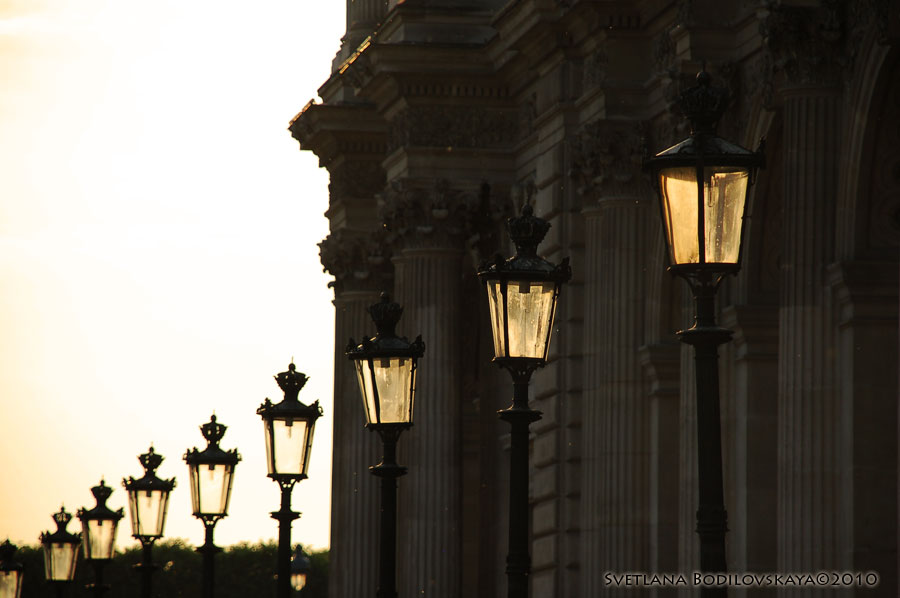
column 242, row 571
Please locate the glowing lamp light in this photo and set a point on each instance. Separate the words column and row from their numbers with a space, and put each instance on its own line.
column 99, row 525
column 148, row 499
column 212, row 473
column 60, row 549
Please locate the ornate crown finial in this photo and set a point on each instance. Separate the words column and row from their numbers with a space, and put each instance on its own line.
column 213, row 431
column 62, row 519
column 150, row 460
column 291, row 381
column 101, row 493
column 386, row 314
column 527, row 231
column 703, row 105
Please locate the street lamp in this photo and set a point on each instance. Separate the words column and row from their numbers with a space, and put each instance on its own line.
column 99, row 527
column 386, row 371
column 300, row 566
column 212, row 473
column 11, row 572
column 522, row 294
column 289, row 427
column 60, row 552
column 702, row 184
column 148, row 503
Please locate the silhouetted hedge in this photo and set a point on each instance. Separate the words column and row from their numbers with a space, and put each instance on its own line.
column 242, row 571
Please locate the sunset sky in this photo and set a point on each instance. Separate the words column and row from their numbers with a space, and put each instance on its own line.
column 158, row 259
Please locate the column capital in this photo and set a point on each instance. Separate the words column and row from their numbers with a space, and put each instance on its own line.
column 358, row 261
column 607, row 156
column 433, row 214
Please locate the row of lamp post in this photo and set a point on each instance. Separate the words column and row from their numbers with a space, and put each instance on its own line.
column 702, row 184
column 289, row 427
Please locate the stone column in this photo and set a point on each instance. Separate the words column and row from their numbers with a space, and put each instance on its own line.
column 806, row 43
column 428, row 222
column 360, row 272
column 616, row 439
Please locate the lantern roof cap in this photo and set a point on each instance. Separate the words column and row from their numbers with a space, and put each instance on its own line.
column 61, row 535
column 150, row 461
column 213, row 432
column 290, row 407
column 7, row 552
column 526, row 231
column 101, row 494
column 385, row 314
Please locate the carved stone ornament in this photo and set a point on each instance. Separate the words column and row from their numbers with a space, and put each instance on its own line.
column 806, row 44
column 355, row 179
column 358, row 262
column 607, row 157
column 436, row 216
column 454, row 127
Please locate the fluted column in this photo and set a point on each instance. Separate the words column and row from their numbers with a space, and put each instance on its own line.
column 427, row 222
column 616, row 455
column 354, row 493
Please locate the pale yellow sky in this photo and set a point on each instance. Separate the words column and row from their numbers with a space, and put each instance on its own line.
column 158, row 258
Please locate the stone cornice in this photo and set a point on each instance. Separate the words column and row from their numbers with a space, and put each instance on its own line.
column 332, row 130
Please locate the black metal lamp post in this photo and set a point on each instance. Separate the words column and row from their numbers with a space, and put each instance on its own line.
column 212, row 473
column 99, row 527
column 702, row 184
column 289, row 427
column 386, row 371
column 60, row 552
column 522, row 293
column 11, row 572
column 148, row 503
column 300, row 566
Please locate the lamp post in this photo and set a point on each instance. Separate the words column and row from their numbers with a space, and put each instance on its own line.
column 148, row 503
column 211, row 475
column 289, row 427
column 11, row 572
column 386, row 371
column 300, row 566
column 702, row 184
column 60, row 552
column 522, row 294
column 99, row 527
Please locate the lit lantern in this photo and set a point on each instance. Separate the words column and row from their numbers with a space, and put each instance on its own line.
column 60, row 549
column 212, row 474
column 148, row 499
column 522, row 294
column 99, row 525
column 386, row 369
column 300, row 567
column 289, row 427
column 703, row 183
column 11, row 572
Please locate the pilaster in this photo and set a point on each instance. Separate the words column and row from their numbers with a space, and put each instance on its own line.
column 616, row 452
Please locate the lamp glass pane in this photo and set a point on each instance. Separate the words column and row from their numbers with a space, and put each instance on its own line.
column 99, row 538
column 211, row 488
column 530, row 307
column 10, row 584
column 298, row 581
column 679, row 202
column 59, row 561
column 495, row 301
column 724, row 194
column 289, row 438
column 366, row 389
column 394, row 380
column 148, row 512
column 270, row 455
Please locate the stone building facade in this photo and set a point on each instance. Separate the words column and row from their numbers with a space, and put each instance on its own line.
column 441, row 118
